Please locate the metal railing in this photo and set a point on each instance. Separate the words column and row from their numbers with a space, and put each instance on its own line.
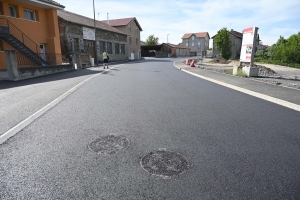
column 50, row 58
column 18, row 34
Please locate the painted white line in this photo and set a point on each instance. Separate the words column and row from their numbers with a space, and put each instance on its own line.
column 11, row 132
column 255, row 94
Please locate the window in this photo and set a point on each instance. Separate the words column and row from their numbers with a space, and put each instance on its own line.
column 199, row 45
column 137, row 31
column 29, row 14
column 137, row 41
column 117, row 49
column 12, row 11
column 102, row 46
column 1, row 9
column 193, row 44
column 193, row 37
column 122, row 48
column 187, row 44
column 88, row 46
column 129, row 28
column 129, row 40
column 109, row 48
column 76, row 44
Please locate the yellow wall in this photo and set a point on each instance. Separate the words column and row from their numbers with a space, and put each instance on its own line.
column 42, row 31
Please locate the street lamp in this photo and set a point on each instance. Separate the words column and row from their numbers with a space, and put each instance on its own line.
column 167, row 38
column 95, row 45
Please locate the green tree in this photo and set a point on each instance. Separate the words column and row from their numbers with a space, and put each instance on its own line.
column 151, row 40
column 222, row 42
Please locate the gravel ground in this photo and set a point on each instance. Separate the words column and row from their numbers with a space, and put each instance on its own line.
column 266, row 74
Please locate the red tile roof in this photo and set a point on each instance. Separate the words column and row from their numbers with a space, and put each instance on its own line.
column 79, row 19
column 176, row 46
column 235, row 33
column 122, row 22
column 198, row 35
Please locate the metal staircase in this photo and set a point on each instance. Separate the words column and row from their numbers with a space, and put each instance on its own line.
column 23, row 44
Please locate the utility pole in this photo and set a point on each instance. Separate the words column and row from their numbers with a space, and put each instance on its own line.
column 167, row 38
column 95, row 45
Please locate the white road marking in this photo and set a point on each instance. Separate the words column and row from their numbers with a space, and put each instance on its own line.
column 255, row 94
column 11, row 132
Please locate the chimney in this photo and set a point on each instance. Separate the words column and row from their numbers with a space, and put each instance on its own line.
column 107, row 19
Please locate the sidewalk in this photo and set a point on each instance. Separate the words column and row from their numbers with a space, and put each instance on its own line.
column 252, row 84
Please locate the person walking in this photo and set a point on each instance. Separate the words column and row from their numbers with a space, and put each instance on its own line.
column 105, row 59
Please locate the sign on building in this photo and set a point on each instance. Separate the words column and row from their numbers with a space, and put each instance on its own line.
column 248, row 45
column 88, row 33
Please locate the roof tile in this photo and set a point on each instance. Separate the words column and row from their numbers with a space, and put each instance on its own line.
column 122, row 22
column 198, row 35
column 79, row 19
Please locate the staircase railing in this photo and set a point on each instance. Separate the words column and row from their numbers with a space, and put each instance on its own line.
column 18, row 34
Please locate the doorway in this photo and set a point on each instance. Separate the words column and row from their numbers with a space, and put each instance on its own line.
column 43, row 52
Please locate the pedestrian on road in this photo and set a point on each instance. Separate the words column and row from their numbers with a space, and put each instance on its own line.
column 105, row 59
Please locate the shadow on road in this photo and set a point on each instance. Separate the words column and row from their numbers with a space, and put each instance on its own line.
column 5, row 84
column 48, row 78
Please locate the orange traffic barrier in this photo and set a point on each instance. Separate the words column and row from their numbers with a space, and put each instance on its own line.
column 192, row 64
column 187, row 62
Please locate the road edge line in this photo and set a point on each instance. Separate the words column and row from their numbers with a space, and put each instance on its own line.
column 281, row 102
column 23, row 124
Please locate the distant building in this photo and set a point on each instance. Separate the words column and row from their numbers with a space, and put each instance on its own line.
column 165, row 50
column 132, row 28
column 198, row 42
column 236, row 39
column 261, row 46
column 142, row 43
column 77, row 34
column 236, row 44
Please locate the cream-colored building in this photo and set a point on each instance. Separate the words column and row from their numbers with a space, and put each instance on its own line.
column 132, row 28
column 197, row 42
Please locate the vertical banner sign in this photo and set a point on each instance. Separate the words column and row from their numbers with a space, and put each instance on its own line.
column 248, row 45
column 88, row 33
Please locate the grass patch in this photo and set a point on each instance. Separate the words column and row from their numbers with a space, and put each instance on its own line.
column 241, row 73
column 229, row 71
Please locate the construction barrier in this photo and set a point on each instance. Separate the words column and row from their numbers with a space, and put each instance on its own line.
column 192, row 63
column 187, row 62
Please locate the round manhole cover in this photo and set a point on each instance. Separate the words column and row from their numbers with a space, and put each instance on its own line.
column 164, row 163
column 110, row 144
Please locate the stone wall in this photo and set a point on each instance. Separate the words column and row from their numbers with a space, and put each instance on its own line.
column 31, row 72
column 72, row 33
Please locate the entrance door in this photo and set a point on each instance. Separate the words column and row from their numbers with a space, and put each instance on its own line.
column 43, row 52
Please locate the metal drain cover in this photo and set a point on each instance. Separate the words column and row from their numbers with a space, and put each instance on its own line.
column 164, row 163
column 108, row 145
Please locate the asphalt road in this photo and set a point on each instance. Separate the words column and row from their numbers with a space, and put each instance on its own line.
column 237, row 146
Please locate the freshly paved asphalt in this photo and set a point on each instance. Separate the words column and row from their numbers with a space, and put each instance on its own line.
column 238, row 146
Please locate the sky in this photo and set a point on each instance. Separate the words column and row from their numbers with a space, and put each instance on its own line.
column 274, row 18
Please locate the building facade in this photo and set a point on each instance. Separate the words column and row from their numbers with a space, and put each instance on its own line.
column 198, row 42
column 236, row 39
column 20, row 21
column 132, row 28
column 77, row 34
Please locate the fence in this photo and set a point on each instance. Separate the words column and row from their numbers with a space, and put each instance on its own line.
column 51, row 58
column 18, row 34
